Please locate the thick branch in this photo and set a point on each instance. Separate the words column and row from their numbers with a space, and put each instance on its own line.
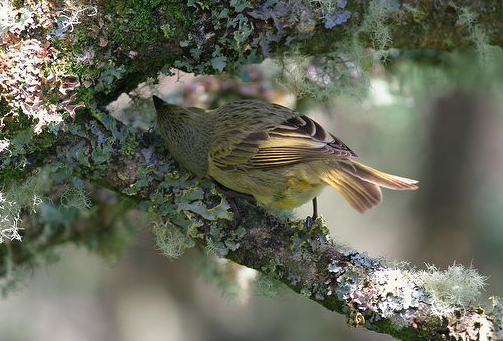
column 106, row 48
column 203, row 40
column 370, row 293
column 57, row 68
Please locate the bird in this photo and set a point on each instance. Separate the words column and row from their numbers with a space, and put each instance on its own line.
column 280, row 157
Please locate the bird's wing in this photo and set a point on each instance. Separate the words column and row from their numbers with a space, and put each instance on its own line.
column 296, row 139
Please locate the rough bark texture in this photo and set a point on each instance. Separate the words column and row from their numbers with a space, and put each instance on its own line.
column 372, row 294
column 60, row 64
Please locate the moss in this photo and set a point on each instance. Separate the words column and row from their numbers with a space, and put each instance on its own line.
column 13, row 124
column 17, row 4
column 139, row 24
column 10, row 173
column 106, row 48
column 387, row 326
column 168, row 30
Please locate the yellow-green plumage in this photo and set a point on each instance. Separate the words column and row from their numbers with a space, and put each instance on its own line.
column 281, row 158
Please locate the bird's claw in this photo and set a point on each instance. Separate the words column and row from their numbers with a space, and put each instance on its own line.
column 308, row 223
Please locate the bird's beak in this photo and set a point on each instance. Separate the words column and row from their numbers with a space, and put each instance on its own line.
column 158, row 103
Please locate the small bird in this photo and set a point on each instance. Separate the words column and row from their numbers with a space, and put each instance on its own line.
column 281, row 158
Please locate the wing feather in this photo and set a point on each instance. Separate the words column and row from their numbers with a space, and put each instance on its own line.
column 292, row 139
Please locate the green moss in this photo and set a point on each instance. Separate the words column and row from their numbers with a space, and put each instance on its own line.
column 387, row 326
column 17, row 4
column 168, row 30
column 13, row 124
column 10, row 173
column 111, row 43
column 138, row 24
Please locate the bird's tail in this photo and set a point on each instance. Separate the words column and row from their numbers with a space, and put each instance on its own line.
column 360, row 184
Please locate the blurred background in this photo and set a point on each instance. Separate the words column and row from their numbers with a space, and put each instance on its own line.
column 433, row 117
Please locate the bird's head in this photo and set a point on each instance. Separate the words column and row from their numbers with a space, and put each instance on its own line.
column 170, row 116
column 173, row 119
column 186, row 132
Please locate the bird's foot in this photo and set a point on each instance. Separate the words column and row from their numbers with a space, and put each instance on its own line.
column 309, row 221
column 235, row 209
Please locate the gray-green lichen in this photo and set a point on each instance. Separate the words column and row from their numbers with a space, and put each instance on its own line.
column 58, row 57
column 71, row 64
column 370, row 293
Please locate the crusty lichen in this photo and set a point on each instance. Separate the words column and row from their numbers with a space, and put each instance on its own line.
column 98, row 148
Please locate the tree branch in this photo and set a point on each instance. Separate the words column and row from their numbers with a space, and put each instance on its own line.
column 57, row 59
column 370, row 293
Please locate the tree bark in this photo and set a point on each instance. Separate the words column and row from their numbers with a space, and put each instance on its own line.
column 376, row 296
column 60, row 65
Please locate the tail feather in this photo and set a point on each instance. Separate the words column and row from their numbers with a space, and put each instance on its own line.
column 377, row 177
column 360, row 194
column 359, row 184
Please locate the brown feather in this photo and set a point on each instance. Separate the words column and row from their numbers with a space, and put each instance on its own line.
column 379, row 178
column 359, row 184
column 292, row 140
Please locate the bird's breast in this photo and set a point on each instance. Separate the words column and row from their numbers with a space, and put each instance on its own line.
column 278, row 187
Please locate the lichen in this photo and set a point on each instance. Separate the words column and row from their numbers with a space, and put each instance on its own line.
column 451, row 289
column 18, row 197
column 75, row 197
column 29, row 82
column 480, row 38
column 344, row 68
column 170, row 240
column 268, row 286
column 314, row 237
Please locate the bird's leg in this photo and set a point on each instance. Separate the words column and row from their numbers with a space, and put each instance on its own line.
column 234, row 207
column 231, row 196
column 310, row 220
